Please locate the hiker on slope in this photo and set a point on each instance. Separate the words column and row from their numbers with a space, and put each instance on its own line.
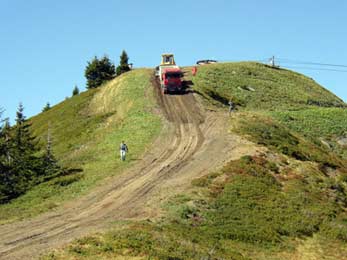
column 123, row 150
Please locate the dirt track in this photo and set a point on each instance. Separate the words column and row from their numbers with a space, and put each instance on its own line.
column 193, row 142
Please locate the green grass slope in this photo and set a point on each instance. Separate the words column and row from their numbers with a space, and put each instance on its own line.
column 86, row 131
column 325, row 124
column 258, row 86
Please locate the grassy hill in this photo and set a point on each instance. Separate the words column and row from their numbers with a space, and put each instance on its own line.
column 289, row 202
column 86, row 131
column 261, row 87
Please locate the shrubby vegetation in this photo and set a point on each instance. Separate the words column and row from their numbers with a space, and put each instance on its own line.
column 326, row 124
column 245, row 211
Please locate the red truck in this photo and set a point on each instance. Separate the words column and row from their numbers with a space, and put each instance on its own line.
column 170, row 75
column 171, row 80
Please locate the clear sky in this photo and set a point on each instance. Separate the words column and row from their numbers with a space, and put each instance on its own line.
column 45, row 44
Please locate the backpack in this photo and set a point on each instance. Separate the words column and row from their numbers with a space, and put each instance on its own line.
column 123, row 147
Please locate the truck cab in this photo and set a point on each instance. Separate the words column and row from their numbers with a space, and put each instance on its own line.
column 171, row 80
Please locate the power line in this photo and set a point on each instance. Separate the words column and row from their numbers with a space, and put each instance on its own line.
column 310, row 68
column 283, row 60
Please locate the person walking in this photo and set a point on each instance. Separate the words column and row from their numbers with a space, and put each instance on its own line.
column 123, row 150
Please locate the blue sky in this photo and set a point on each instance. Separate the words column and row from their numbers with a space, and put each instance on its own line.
column 45, row 45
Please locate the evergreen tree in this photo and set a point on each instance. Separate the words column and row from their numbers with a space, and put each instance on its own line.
column 46, row 107
column 4, row 162
column 3, row 143
column 21, row 166
column 6, row 142
column 23, row 140
column 123, row 64
column 26, row 165
column 99, row 71
column 75, row 91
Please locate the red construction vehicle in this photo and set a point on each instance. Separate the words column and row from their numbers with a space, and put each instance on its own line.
column 170, row 75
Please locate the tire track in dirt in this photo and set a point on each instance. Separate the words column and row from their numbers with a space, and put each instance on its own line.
column 186, row 149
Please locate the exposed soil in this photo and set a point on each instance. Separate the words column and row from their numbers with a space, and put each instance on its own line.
column 192, row 143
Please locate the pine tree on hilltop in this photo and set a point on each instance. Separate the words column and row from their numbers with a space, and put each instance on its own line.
column 99, row 71
column 123, row 64
column 46, row 107
column 75, row 91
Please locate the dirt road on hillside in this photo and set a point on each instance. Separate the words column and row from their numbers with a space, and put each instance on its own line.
column 192, row 143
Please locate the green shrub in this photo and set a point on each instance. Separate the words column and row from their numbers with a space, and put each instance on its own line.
column 254, row 209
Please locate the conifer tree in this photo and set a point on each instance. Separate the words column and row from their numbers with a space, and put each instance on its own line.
column 7, row 177
column 123, row 64
column 23, row 140
column 75, row 91
column 99, row 71
column 46, row 107
column 4, row 164
column 21, row 166
column 6, row 142
column 26, row 166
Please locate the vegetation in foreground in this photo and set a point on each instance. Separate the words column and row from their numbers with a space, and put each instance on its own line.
column 86, row 130
column 249, row 210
